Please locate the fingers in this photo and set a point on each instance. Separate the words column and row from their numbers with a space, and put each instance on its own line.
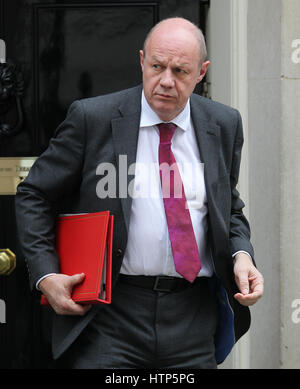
column 248, row 279
column 70, row 307
column 248, row 299
column 256, row 291
column 243, row 282
column 58, row 290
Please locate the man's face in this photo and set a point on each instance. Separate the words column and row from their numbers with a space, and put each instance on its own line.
column 171, row 69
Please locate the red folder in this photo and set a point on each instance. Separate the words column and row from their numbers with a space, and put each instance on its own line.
column 84, row 245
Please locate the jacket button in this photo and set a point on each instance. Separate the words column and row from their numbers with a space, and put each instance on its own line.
column 119, row 252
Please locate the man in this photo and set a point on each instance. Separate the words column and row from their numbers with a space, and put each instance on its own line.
column 179, row 299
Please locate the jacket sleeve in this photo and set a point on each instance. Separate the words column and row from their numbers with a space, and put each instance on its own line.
column 55, row 174
column 239, row 226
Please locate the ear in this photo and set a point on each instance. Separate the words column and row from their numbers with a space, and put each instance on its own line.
column 142, row 59
column 203, row 71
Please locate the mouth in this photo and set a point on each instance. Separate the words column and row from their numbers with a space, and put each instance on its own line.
column 164, row 96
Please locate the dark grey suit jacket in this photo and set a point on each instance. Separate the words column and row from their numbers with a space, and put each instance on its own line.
column 64, row 180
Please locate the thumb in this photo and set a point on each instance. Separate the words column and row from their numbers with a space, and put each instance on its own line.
column 76, row 279
column 243, row 283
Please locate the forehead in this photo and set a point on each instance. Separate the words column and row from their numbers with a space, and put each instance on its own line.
column 171, row 59
column 177, row 46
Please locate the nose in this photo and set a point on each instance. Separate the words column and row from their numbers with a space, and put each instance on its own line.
column 167, row 80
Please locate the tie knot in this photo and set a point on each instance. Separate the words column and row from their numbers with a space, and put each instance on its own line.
column 166, row 132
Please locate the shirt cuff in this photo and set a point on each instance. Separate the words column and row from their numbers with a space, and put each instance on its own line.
column 241, row 251
column 37, row 283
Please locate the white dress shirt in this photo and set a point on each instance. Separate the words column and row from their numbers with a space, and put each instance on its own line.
column 148, row 250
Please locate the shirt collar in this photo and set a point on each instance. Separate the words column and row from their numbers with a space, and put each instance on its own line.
column 150, row 118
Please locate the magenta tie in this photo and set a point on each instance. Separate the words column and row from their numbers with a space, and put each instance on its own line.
column 184, row 247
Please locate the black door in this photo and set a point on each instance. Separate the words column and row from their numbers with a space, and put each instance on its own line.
column 56, row 52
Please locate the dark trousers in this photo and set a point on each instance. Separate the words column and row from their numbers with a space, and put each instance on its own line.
column 143, row 328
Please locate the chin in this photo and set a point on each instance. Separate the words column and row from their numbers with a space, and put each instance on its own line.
column 165, row 113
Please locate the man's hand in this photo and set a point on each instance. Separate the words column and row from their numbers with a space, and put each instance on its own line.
column 248, row 279
column 58, row 290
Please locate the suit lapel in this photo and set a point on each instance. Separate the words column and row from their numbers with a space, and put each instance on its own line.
column 125, row 131
column 208, row 137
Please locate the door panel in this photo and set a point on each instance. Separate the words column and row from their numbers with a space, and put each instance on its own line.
column 57, row 52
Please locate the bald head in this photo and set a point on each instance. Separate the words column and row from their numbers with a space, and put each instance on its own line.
column 177, row 24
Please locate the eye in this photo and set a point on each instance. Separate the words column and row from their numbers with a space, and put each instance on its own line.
column 156, row 66
column 179, row 70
